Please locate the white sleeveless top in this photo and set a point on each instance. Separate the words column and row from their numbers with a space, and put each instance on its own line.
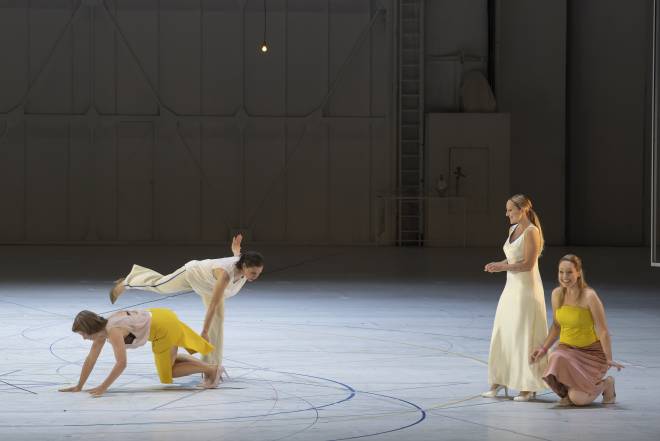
column 515, row 251
column 137, row 322
column 200, row 275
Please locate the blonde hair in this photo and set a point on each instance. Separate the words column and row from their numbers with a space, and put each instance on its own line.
column 524, row 203
column 581, row 282
column 88, row 322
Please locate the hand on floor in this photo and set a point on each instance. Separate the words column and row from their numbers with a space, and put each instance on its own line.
column 97, row 391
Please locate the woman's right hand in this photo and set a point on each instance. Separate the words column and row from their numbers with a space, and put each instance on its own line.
column 536, row 355
column 75, row 388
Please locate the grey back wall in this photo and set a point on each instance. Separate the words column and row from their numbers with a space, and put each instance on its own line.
column 292, row 145
column 609, row 71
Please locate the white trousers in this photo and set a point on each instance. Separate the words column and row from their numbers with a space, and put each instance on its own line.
column 181, row 281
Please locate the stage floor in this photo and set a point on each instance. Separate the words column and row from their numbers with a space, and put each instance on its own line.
column 330, row 344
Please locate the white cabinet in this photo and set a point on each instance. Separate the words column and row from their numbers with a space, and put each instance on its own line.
column 476, row 146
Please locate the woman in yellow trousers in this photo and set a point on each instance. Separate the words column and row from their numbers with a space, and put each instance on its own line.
column 131, row 329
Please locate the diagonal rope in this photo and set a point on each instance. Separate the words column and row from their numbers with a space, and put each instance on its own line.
column 28, row 94
column 156, row 95
column 115, row 24
column 32, row 85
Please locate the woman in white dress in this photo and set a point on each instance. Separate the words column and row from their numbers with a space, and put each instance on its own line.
column 213, row 279
column 520, row 320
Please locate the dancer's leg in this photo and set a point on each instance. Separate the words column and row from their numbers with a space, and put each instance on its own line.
column 580, row 398
column 149, row 280
column 183, row 366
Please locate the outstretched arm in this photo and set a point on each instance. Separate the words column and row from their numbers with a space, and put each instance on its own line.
column 88, row 366
column 222, row 280
column 236, row 244
column 600, row 323
column 116, row 339
column 553, row 334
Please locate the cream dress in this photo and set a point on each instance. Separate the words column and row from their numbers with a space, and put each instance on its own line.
column 520, row 325
column 196, row 275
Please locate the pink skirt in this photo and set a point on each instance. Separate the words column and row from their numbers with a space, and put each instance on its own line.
column 580, row 368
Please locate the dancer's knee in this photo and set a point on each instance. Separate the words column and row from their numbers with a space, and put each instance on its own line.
column 579, row 398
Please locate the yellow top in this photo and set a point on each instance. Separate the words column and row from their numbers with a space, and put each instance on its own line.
column 577, row 326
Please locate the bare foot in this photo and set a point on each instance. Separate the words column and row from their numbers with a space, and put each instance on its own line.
column 212, row 377
column 609, row 393
column 117, row 290
column 565, row 401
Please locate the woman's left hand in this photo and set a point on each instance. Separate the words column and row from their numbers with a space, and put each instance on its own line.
column 614, row 364
column 97, row 391
column 236, row 244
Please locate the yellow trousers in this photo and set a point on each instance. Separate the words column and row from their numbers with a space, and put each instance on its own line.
column 166, row 332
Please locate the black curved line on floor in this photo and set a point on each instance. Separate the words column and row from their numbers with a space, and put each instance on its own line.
column 276, row 399
column 206, row 420
column 50, row 348
column 304, row 429
column 352, row 394
column 421, row 418
column 345, row 386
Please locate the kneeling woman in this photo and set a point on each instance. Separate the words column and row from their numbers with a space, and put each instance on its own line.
column 131, row 329
column 584, row 355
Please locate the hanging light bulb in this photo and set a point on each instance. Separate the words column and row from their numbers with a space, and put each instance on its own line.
column 264, row 45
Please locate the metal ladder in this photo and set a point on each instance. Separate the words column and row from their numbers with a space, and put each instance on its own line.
column 410, row 213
